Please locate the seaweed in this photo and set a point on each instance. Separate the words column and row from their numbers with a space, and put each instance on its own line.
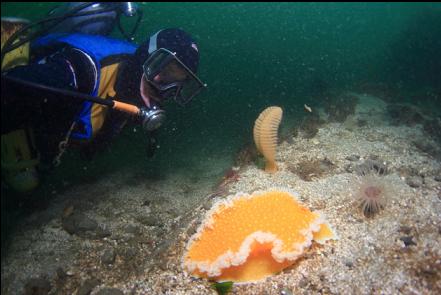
column 222, row 288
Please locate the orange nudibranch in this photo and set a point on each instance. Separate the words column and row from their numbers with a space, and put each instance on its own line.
column 249, row 237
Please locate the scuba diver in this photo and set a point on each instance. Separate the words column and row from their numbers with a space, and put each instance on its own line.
column 79, row 87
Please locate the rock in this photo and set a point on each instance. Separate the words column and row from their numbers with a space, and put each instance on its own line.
column 37, row 286
column 414, row 181
column 361, row 123
column 405, row 229
column 161, row 253
column 131, row 229
column 424, row 146
column 349, row 168
column 148, row 220
column 404, row 114
column 128, row 253
column 408, row 241
column 433, row 128
column 349, row 263
column 207, row 205
column 290, row 140
column 103, row 232
column 87, row 287
column 108, row 256
column 340, row 107
column 310, row 125
column 110, row 291
column 353, row 158
column 61, row 273
column 303, row 283
column 192, row 230
column 125, row 238
column 308, row 170
column 79, row 224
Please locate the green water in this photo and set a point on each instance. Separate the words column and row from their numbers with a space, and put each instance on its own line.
column 258, row 54
column 252, row 55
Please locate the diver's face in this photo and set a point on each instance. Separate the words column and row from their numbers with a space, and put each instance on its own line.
column 148, row 92
column 170, row 74
column 173, row 72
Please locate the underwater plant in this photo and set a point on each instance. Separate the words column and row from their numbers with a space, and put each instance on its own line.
column 371, row 191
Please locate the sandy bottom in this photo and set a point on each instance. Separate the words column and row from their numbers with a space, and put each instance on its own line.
column 149, row 222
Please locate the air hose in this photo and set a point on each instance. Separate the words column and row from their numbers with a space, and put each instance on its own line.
column 114, row 104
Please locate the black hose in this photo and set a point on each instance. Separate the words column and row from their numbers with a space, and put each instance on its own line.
column 74, row 94
column 129, row 37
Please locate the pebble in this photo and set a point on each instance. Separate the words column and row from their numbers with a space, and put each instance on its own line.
column 207, row 205
column 70, row 273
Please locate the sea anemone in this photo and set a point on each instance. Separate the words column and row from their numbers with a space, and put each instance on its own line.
column 371, row 190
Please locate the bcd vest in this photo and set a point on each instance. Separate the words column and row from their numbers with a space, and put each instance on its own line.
column 101, row 49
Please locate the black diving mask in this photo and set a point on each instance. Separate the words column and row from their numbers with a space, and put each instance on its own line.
column 171, row 77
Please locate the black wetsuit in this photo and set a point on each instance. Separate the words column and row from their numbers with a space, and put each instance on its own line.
column 52, row 114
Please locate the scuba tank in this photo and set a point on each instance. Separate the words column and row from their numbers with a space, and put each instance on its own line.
column 81, row 17
column 99, row 22
column 20, row 55
column 98, row 18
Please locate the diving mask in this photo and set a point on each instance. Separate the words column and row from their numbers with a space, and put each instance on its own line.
column 171, row 77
